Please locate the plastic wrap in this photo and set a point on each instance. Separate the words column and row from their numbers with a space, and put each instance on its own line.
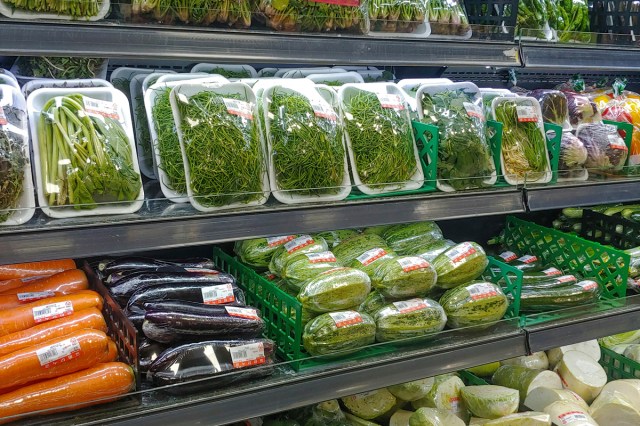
column 409, row 319
column 336, row 289
column 448, row 18
column 407, row 239
column 235, row 14
column 524, row 148
column 303, row 267
column 581, row 109
column 553, row 104
column 605, row 148
column 209, row 359
column 221, row 144
column 528, row 418
column 431, row 251
column 312, row 16
column 258, row 252
column 570, row 20
column 369, row 405
column 341, row 331
column 61, row 68
column 333, row 238
column 397, row 16
column 427, row 416
column 307, row 155
column 148, row 351
column 412, row 391
column 404, row 277
column 464, row 155
column 460, row 264
column 349, row 249
column 625, row 108
column 368, row 261
column 478, row 303
column 300, row 245
column 233, row 72
column 445, row 395
column 573, row 156
column 533, row 19
column 327, row 413
column 380, row 138
column 373, row 303
column 544, row 299
column 490, row 401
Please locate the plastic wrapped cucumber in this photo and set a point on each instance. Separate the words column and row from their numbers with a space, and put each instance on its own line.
column 369, row 405
column 404, row 277
column 342, row 331
column 300, row 245
column 258, row 252
column 373, row 303
column 348, row 250
column 460, row 264
column 409, row 319
column 406, row 238
column 478, row 303
column 303, row 267
column 430, row 251
column 333, row 238
column 543, row 299
column 368, row 261
column 339, row 288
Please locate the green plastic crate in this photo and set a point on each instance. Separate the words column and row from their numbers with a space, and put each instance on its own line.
column 618, row 366
column 498, row 270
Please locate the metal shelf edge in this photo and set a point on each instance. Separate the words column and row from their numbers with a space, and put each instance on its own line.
column 556, row 197
column 563, row 56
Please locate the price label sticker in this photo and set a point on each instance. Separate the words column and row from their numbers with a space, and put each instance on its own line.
column 572, row 416
column 278, row 241
column 58, row 353
column 460, row 252
column 482, row 291
column 298, row 243
column 588, row 285
column 567, row 279
column 412, row 263
column 3, row 118
column 247, row 355
column 527, row 113
column 345, row 318
column 218, row 294
column 240, row 108
column 616, row 142
column 324, row 257
column 508, row 256
column 52, row 311
column 527, row 259
column 100, row 107
column 411, row 305
column 473, row 110
column 552, row 272
column 390, row 101
column 371, row 256
column 454, row 403
column 33, row 296
column 247, row 313
column 323, row 110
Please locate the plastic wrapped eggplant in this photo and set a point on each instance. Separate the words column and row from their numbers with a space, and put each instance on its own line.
column 140, row 264
column 175, row 320
column 149, row 351
column 130, row 284
column 205, row 293
column 210, row 359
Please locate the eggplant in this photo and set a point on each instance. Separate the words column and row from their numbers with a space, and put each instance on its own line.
column 136, row 319
column 147, row 264
column 174, row 320
column 185, row 292
column 209, row 359
column 149, row 351
column 124, row 289
column 113, row 278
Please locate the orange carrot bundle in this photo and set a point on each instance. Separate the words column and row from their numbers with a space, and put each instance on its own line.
column 35, row 269
column 64, row 282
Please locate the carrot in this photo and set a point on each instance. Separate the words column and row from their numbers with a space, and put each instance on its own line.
column 63, row 282
column 9, row 301
column 112, row 353
column 24, row 270
column 26, row 316
column 7, row 285
column 96, row 385
column 54, row 357
column 86, row 318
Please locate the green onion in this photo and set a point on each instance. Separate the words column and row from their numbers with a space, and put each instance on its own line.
column 168, row 143
column 244, row 73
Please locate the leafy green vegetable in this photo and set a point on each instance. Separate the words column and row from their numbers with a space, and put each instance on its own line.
column 60, row 68
column 396, row 15
column 198, row 12
column 310, row 16
column 570, row 18
column 168, row 143
column 13, row 160
column 75, row 8
column 448, row 17
column 244, row 73
column 532, row 17
column 85, row 158
column 223, row 150
column 553, row 104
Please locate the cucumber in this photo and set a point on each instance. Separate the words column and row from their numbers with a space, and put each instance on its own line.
column 299, row 245
column 409, row 319
column 334, row 290
column 348, row 250
column 404, row 239
column 343, row 331
column 555, row 282
column 573, row 212
column 535, row 277
column 543, row 299
column 460, row 264
column 478, row 303
column 527, row 263
column 404, row 277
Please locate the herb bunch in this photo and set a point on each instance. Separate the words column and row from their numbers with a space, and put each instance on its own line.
column 75, row 8
column 60, row 68
column 200, row 12
column 168, row 143
column 13, row 160
column 310, row 16
column 244, row 73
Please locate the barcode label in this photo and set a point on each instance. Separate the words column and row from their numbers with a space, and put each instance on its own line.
column 481, row 291
column 588, row 284
column 218, row 294
column 100, row 107
column 551, row 272
column 567, row 279
column 460, row 252
column 278, row 241
column 527, row 259
column 33, row 296
column 247, row 355
column 3, row 118
column 371, row 256
column 240, row 108
column 58, row 352
column 390, row 101
column 322, row 110
column 345, row 318
column 410, row 305
column 473, row 110
column 572, row 416
column 508, row 256
column 325, row 256
column 526, row 113
column 412, row 263
column 298, row 243
column 52, row 311
column 616, row 142
column 247, row 313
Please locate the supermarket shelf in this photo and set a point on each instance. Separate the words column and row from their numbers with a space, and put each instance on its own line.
column 162, row 224
column 617, row 317
column 588, row 194
column 552, row 56
column 152, row 42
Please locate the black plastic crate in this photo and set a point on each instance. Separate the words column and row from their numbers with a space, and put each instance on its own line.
column 495, row 19
column 615, row 231
column 616, row 21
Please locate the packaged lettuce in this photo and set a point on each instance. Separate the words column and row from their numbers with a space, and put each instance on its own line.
column 342, row 331
column 336, row 289
column 302, row 267
column 405, row 238
column 430, row 251
column 373, row 303
column 404, row 277
column 333, row 238
column 409, row 319
column 299, row 245
column 369, row 405
column 258, row 251
column 326, row 413
column 445, row 394
column 368, row 261
column 434, row 417
column 348, row 250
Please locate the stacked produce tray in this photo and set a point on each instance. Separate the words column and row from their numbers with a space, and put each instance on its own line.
column 610, row 230
column 618, row 366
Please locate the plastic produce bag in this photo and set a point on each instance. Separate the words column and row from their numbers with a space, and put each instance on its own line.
column 553, row 104
column 235, row 14
column 573, row 156
column 299, row 245
column 409, row 319
column 448, row 17
column 404, row 277
column 258, row 252
column 305, row 266
column 336, row 289
column 581, row 109
column 409, row 238
column 606, row 149
column 533, row 19
column 348, row 250
column 397, row 16
column 342, row 331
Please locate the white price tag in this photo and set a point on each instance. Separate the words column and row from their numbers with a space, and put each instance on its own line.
column 526, row 113
column 247, row 355
column 278, row 241
column 240, row 108
column 482, row 291
column 552, row 272
column 298, row 243
column 528, row 259
column 323, row 110
column 572, row 416
column 58, row 352
column 324, row 257
column 33, row 296
column 371, row 256
column 567, row 279
column 473, row 110
column 412, row 263
column 410, row 305
column 218, row 294
column 345, row 318
column 247, row 313
column 588, row 284
column 460, row 252
column 52, row 311
column 390, row 101
column 100, row 107
column 508, row 256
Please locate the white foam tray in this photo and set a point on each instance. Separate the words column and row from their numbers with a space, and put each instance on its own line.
column 10, row 12
column 22, row 79
column 208, row 68
column 33, row 85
